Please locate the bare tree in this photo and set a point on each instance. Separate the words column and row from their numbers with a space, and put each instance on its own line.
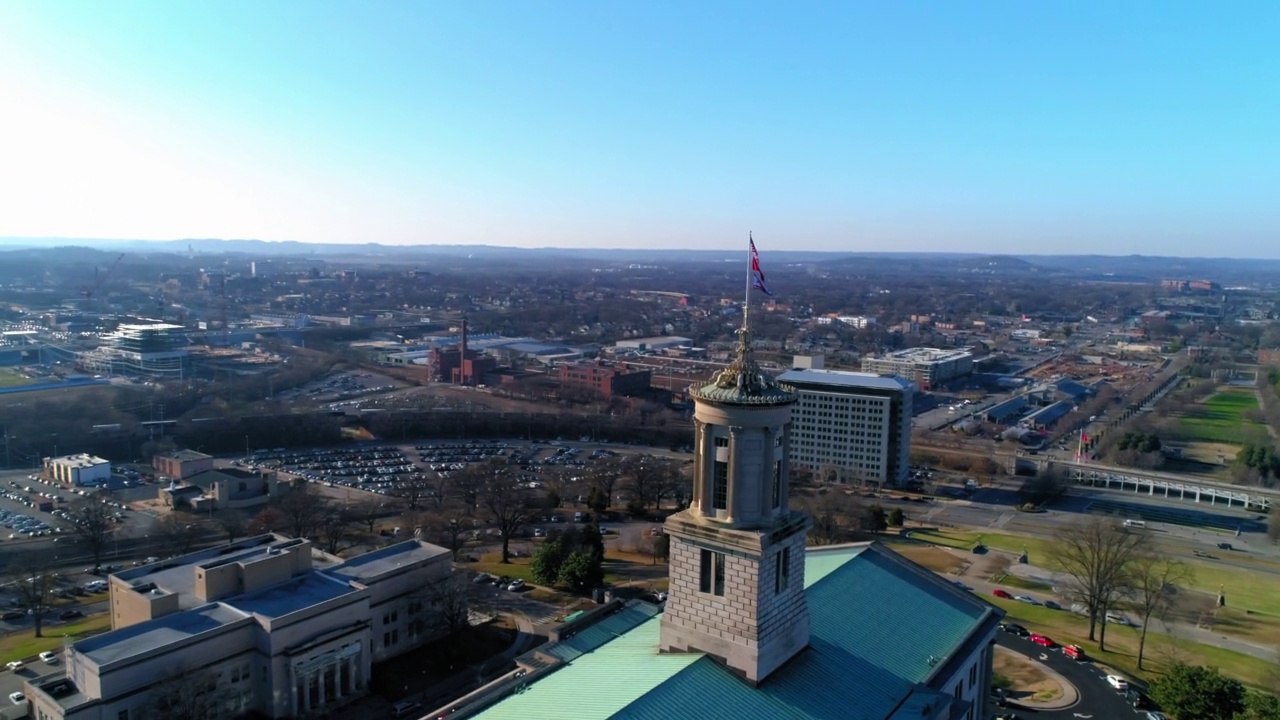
column 191, row 695
column 450, row 599
column 93, row 526
column 1153, row 579
column 177, row 532
column 233, row 524
column 446, row 532
column 508, row 505
column 368, row 514
column 414, row 489
column 34, row 583
column 303, row 509
column 334, row 530
column 834, row 515
column 1097, row 552
column 605, row 474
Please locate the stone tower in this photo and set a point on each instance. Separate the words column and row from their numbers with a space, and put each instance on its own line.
column 737, row 553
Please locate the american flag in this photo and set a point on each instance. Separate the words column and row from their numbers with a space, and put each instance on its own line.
column 757, row 275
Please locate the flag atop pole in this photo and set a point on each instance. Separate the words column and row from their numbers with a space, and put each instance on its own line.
column 757, row 275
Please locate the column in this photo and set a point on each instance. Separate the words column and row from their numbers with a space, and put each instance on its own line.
column 731, row 499
column 337, row 678
column 306, row 692
column 784, row 477
column 320, row 682
column 297, row 700
column 765, row 500
column 706, row 457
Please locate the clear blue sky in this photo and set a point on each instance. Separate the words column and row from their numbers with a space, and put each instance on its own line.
column 1111, row 127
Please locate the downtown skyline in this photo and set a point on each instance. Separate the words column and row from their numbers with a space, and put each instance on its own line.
column 994, row 128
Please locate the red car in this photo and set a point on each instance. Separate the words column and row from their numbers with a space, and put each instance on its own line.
column 1001, row 594
column 1044, row 640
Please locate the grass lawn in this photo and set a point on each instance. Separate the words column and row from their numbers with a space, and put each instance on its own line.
column 936, row 559
column 1020, row 582
column 1245, row 590
column 12, row 378
column 25, row 644
column 1221, row 419
column 492, row 564
column 1122, row 645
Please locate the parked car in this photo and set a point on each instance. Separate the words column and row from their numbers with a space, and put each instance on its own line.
column 1224, row 546
column 13, row 615
column 1014, row 629
column 1043, row 640
column 1137, row 698
column 1001, row 594
column 14, row 666
column 17, row 698
column 516, row 586
column 49, row 657
column 70, row 615
column 1155, row 715
column 1118, row 682
column 1075, row 652
column 1052, row 605
column 1118, row 619
column 1026, row 599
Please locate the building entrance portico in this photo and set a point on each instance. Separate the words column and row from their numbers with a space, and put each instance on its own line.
column 327, row 678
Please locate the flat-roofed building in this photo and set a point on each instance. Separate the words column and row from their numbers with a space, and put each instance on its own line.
column 606, row 379
column 854, row 425
column 221, row 489
column 268, row 625
column 181, row 464
column 81, row 469
column 926, row 367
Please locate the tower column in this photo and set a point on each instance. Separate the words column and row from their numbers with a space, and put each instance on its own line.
column 703, row 468
column 765, row 500
column 732, row 511
column 784, row 477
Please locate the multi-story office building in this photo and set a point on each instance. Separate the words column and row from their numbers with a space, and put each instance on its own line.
column 926, row 367
column 267, row 624
column 851, row 426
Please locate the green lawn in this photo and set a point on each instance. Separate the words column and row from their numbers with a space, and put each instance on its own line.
column 25, row 644
column 1122, row 645
column 1245, row 590
column 13, row 378
column 1221, row 419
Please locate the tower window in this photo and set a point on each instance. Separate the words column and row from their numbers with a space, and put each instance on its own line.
column 782, row 571
column 722, row 442
column 720, row 486
column 777, row 484
column 712, row 576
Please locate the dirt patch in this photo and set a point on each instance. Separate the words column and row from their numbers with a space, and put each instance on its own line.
column 1027, row 682
column 934, row 558
column 1209, row 453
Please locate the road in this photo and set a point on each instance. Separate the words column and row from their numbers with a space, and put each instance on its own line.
column 1097, row 700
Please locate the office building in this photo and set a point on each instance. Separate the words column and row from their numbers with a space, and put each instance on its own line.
column 267, row 624
column 928, row 368
column 181, row 464
column 221, row 489
column 605, row 379
column 851, row 426
column 78, row 470
column 153, row 349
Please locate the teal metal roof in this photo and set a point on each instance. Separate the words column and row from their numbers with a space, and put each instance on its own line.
column 597, row 634
column 879, row 626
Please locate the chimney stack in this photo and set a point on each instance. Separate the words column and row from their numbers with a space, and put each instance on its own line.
column 462, row 356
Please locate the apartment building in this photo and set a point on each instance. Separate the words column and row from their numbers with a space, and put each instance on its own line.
column 854, row 425
column 267, row 624
column 926, row 367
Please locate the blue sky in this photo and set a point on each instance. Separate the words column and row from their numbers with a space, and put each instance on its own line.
column 1069, row 127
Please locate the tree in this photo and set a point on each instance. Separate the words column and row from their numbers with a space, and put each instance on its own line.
column 367, row 514
column 233, row 525
column 1096, row 552
column 268, row 520
column 414, row 489
column 580, row 572
column 450, row 598
column 507, row 503
column 1261, row 706
column 1042, row 489
column 34, row 583
column 1152, row 580
column 1192, row 692
column 93, row 526
column 334, row 530
column 896, row 517
column 177, row 532
column 192, row 695
column 303, row 509
column 597, row 500
column 548, row 560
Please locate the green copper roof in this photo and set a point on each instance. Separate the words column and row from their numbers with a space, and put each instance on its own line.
column 879, row 627
column 743, row 382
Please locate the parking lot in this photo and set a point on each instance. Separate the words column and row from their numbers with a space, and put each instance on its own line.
column 343, row 390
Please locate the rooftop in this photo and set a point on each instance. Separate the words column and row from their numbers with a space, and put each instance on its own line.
column 151, row 635
column 81, row 460
column 209, row 477
column 922, row 354
column 388, row 559
column 300, row 592
column 845, row 378
column 185, row 455
column 868, row 669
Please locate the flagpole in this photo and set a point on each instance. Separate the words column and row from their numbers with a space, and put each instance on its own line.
column 746, row 301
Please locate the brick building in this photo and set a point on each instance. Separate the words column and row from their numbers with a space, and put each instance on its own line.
column 181, row 464
column 606, row 379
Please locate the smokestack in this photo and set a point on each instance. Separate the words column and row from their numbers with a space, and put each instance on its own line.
column 462, row 356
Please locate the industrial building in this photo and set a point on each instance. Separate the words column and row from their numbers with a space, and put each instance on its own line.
column 221, row 489
column 461, row 365
column 270, row 625
column 856, row 426
column 926, row 367
column 181, row 464
column 78, row 470
column 756, row 624
column 153, row 350
column 650, row 344
column 606, row 379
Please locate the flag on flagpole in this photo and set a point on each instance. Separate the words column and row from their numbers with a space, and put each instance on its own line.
column 1084, row 438
column 757, row 275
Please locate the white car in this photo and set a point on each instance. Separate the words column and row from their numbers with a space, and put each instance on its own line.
column 1026, row 599
column 1118, row 682
column 516, row 586
column 49, row 657
column 17, row 698
column 1156, row 715
column 1118, row 619
column 15, row 666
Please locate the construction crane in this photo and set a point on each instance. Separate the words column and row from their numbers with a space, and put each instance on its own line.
column 98, row 280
